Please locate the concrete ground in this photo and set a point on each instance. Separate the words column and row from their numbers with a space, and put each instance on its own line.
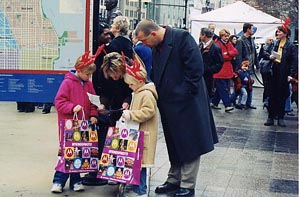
column 250, row 160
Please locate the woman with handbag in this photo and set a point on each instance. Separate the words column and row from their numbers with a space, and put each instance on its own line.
column 285, row 58
column 265, row 65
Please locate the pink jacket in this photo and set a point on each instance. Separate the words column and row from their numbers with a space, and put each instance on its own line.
column 72, row 92
column 228, row 52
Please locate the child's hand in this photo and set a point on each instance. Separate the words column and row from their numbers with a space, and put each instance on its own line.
column 126, row 114
column 125, row 105
column 77, row 108
column 93, row 120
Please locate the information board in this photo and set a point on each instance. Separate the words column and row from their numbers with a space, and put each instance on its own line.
column 38, row 36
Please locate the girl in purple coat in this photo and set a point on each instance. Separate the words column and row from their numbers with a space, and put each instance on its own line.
column 72, row 98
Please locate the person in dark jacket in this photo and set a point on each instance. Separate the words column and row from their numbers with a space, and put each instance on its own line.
column 285, row 59
column 247, row 51
column 188, row 124
column 114, row 93
column 212, row 58
column 103, row 38
column 266, row 70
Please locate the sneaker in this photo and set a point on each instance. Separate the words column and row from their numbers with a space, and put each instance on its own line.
column 132, row 194
column 228, row 109
column 56, row 188
column 78, row 187
column 214, row 106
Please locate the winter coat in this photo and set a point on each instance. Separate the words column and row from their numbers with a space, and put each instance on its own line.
column 228, row 51
column 212, row 58
column 113, row 93
column 143, row 109
column 280, row 71
column 245, row 49
column 186, row 116
column 245, row 80
column 73, row 91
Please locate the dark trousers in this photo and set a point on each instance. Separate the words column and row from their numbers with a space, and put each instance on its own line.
column 266, row 77
column 276, row 107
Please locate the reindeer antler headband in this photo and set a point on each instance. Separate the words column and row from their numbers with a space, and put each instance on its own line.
column 87, row 60
column 134, row 68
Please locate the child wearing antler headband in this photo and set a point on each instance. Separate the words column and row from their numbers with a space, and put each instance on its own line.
column 72, row 98
column 143, row 108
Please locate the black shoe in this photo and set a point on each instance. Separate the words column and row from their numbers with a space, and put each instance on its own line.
column 91, row 180
column 45, row 111
column 269, row 122
column 251, row 107
column 240, row 106
column 185, row 192
column 166, row 188
column 29, row 110
column 281, row 123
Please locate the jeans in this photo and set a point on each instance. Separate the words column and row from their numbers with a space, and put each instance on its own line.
column 249, row 99
column 142, row 188
column 221, row 93
column 243, row 96
column 61, row 178
column 288, row 101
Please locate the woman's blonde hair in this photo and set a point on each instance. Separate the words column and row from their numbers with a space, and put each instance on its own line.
column 222, row 32
column 113, row 63
column 89, row 68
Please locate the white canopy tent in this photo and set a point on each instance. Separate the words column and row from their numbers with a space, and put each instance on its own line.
column 232, row 18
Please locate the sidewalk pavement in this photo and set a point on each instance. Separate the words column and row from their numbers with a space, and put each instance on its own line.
column 250, row 159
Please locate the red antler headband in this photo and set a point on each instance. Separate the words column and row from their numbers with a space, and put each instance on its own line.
column 87, row 60
column 134, row 68
column 286, row 24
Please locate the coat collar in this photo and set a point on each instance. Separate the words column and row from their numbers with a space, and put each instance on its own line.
column 162, row 55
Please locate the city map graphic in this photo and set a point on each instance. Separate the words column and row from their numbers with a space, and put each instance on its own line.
column 41, row 34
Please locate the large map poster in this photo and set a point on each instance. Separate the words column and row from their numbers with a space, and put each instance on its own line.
column 40, row 37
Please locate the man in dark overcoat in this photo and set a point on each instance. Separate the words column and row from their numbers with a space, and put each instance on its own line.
column 187, row 120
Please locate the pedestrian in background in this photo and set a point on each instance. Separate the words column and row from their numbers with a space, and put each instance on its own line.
column 243, row 85
column 188, row 124
column 212, row 59
column 72, row 98
column 144, row 52
column 212, row 28
column 247, row 51
column 265, row 65
column 233, row 40
column 285, row 63
column 103, row 38
column 223, row 77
